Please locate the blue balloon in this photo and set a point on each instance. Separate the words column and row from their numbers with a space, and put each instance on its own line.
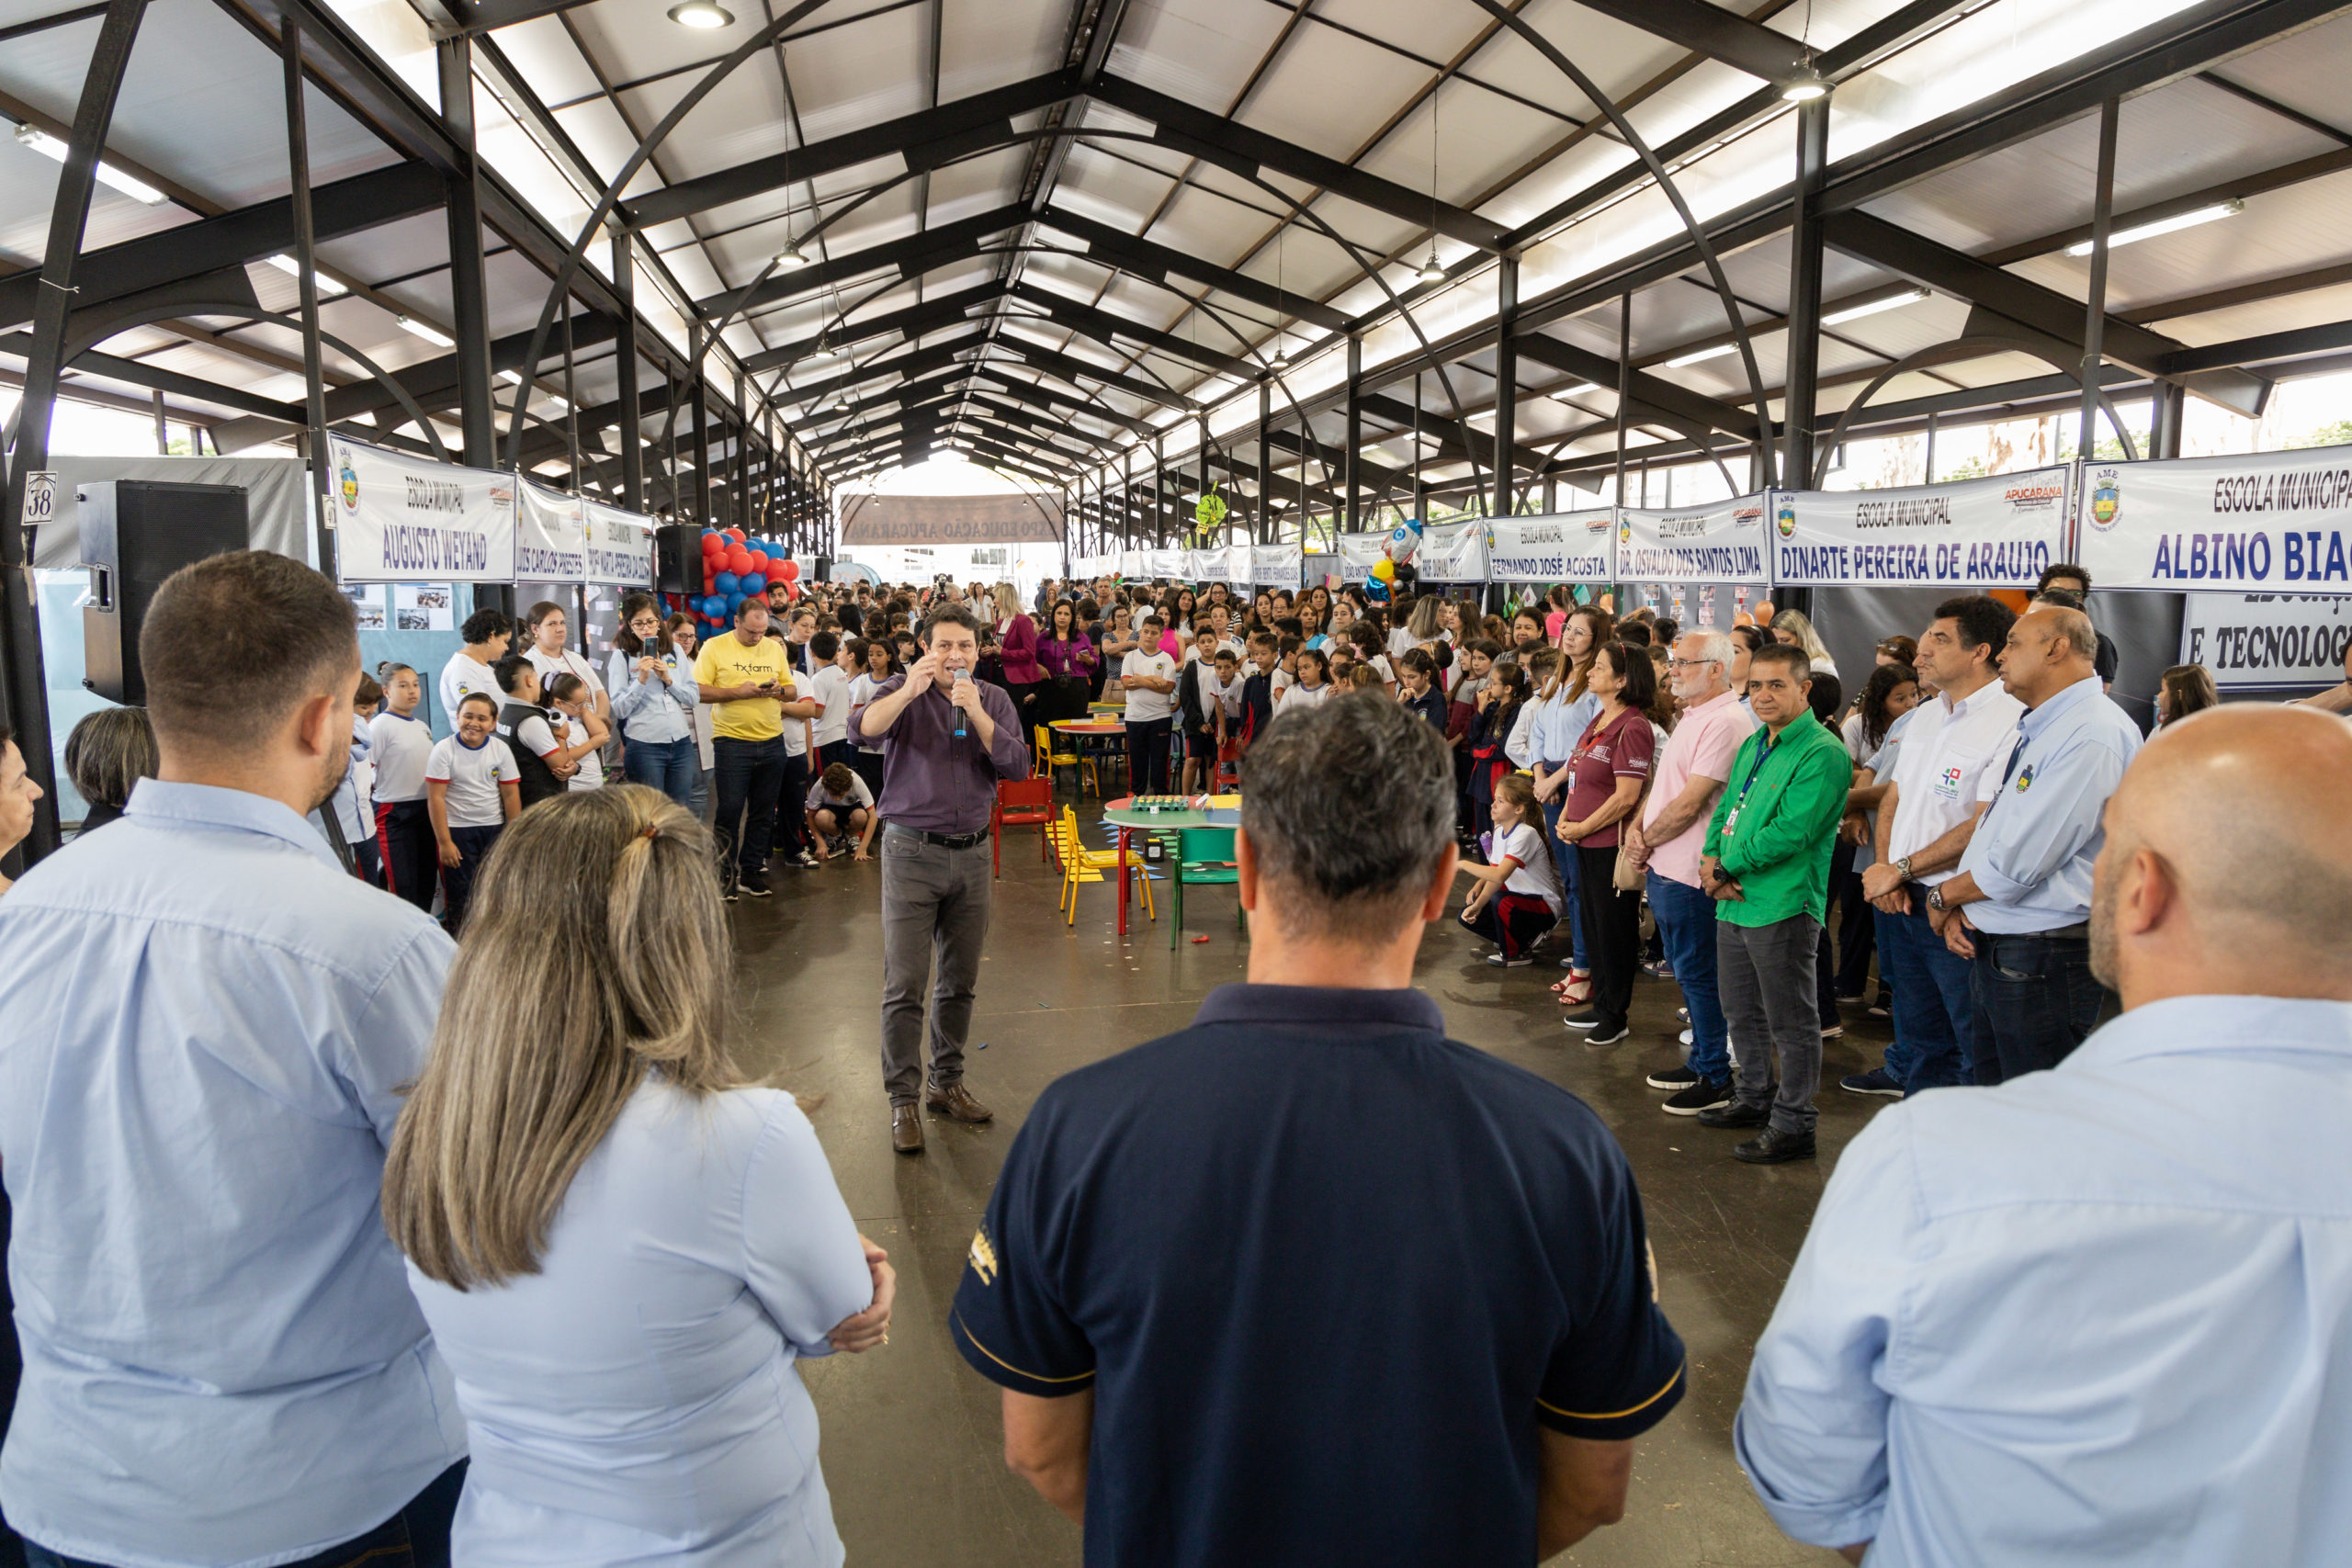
column 753, row 582
column 733, row 600
column 715, row 607
column 726, row 582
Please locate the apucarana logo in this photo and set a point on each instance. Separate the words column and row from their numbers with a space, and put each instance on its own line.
column 1624, row 530
column 347, row 478
column 1784, row 517
column 2107, row 497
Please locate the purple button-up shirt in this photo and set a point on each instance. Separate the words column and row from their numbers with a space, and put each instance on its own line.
column 931, row 780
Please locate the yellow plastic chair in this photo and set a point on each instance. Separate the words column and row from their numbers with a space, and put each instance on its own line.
column 1083, row 864
column 1047, row 759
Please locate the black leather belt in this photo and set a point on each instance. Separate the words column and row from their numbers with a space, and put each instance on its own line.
column 945, row 840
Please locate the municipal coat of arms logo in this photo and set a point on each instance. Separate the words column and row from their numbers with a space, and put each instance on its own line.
column 2107, row 497
column 1784, row 517
column 346, row 479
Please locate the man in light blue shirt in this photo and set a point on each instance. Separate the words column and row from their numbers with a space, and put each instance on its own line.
column 2019, row 907
column 208, row 1022
column 2103, row 1314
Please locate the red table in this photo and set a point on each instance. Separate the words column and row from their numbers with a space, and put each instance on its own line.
column 1121, row 815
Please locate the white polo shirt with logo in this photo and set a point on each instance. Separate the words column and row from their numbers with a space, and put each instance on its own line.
column 1951, row 764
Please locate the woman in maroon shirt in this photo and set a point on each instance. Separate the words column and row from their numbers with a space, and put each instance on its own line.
column 1608, row 770
column 1016, row 637
column 1069, row 661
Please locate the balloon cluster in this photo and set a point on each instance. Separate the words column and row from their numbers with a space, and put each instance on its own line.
column 1402, row 540
column 736, row 568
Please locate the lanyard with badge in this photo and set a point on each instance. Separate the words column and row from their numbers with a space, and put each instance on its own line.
column 1763, row 755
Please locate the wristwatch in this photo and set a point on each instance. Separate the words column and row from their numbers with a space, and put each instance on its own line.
column 1903, row 868
column 1936, row 897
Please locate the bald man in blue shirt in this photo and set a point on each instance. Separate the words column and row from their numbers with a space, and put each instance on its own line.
column 2019, row 907
column 2103, row 1314
column 208, row 1026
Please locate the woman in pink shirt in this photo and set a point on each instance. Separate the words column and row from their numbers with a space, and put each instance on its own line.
column 1016, row 637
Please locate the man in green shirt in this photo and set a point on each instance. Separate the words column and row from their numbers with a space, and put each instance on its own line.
column 1766, row 859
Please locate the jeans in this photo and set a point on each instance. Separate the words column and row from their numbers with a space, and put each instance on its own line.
column 474, row 845
column 1513, row 921
column 934, row 910
column 1935, row 1030
column 404, row 840
column 1563, row 856
column 1686, row 919
column 2035, row 1001
column 667, row 765
column 1857, row 928
column 416, row 1536
column 1766, row 973
column 1147, row 755
column 1612, row 934
column 792, row 807
column 749, row 774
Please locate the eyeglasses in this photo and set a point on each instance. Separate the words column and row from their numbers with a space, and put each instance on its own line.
column 1673, row 663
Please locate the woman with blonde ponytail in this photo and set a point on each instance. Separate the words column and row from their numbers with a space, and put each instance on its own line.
column 1567, row 707
column 620, row 1248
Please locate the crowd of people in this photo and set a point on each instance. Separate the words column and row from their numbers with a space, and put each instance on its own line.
column 338, row 1239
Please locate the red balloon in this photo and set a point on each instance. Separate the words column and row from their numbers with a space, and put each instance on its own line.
column 713, row 545
column 759, row 560
column 735, row 535
column 790, row 570
column 739, row 561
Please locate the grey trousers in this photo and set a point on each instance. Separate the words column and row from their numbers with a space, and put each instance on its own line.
column 1766, row 976
column 934, row 909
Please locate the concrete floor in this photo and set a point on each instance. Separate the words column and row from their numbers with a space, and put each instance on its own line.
column 911, row 1438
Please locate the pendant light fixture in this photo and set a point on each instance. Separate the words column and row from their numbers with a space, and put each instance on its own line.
column 1430, row 271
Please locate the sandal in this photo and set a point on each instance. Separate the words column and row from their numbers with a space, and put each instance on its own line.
column 1575, row 990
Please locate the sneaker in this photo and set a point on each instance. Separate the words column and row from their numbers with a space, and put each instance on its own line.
column 1687, row 1036
column 1659, row 968
column 753, row 886
column 1704, row 1094
column 1682, row 1014
column 1731, row 1113
column 1880, row 1010
column 1834, row 1031
column 1583, row 1018
column 731, row 894
column 1500, row 962
column 805, row 861
column 1673, row 1078
column 1775, row 1148
column 1607, row 1034
column 1875, row 1081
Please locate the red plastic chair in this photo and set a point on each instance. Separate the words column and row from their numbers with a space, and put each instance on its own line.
column 1019, row 803
column 1228, row 765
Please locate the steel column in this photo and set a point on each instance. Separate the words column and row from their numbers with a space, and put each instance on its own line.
column 1625, row 392
column 702, row 512
column 1261, row 521
column 1158, row 491
column 2171, row 410
column 468, row 288
column 306, row 283
column 162, row 429
column 2095, row 318
column 1802, row 382
column 1506, row 384
column 1350, row 461
column 24, row 691
column 625, row 363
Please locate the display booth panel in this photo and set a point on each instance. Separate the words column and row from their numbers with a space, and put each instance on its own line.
column 1566, row 547
column 1453, row 552
column 1275, row 565
column 2261, row 522
column 399, row 519
column 1965, row 535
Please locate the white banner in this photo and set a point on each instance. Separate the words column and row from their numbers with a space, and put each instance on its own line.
column 1135, row 564
column 1453, row 552
column 1236, row 565
column 1566, row 547
column 620, row 546
column 403, row 519
column 1358, row 552
column 1169, row 564
column 2266, row 640
column 1988, row 533
column 1208, row 565
column 2270, row 520
column 1274, row 566
column 1722, row 543
column 550, row 536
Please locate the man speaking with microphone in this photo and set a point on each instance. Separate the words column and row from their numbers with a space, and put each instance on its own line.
column 946, row 739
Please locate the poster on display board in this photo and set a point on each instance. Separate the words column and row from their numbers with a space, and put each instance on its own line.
column 2254, row 640
column 1453, row 552
column 1208, row 565
column 550, row 536
column 1134, row 564
column 1236, row 565
column 1169, row 564
column 1722, row 542
column 1358, row 552
column 620, row 546
column 2270, row 521
column 399, row 518
column 1568, row 546
column 1274, row 566
column 1969, row 534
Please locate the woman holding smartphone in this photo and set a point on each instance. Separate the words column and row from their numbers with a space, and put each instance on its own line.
column 654, row 701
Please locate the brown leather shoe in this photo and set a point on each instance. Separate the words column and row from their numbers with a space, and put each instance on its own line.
column 905, row 1130
column 956, row 1100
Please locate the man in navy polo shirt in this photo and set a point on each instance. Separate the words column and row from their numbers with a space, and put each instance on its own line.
column 1308, row 1281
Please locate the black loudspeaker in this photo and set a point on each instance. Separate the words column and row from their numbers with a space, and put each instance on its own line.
column 135, row 533
column 822, row 570
column 677, row 560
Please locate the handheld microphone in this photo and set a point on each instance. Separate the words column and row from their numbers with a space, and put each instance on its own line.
column 960, row 677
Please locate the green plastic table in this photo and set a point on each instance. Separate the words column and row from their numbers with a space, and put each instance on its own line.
column 1124, row 815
